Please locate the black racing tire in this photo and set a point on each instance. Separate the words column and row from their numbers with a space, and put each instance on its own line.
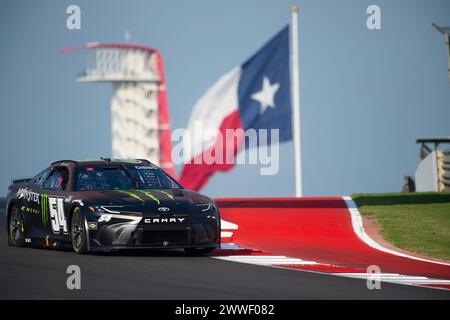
column 199, row 251
column 78, row 232
column 16, row 228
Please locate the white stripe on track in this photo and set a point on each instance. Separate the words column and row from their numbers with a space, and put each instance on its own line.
column 226, row 234
column 230, row 245
column 265, row 260
column 361, row 233
column 226, row 225
column 394, row 277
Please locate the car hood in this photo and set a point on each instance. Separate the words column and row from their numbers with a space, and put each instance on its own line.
column 146, row 200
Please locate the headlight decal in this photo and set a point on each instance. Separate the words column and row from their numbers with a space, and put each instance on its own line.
column 204, row 207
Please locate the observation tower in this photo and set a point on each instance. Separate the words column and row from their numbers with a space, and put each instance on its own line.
column 139, row 110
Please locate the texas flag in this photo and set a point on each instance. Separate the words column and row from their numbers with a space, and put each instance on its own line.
column 254, row 95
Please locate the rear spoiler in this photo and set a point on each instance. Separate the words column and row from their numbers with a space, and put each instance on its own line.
column 23, row 180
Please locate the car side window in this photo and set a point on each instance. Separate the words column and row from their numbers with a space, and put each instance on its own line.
column 58, row 179
column 40, row 178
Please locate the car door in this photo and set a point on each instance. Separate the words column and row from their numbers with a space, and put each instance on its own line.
column 29, row 202
column 53, row 194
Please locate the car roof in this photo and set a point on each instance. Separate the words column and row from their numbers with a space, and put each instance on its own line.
column 102, row 161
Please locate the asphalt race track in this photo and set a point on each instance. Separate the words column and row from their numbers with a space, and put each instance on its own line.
column 27, row 273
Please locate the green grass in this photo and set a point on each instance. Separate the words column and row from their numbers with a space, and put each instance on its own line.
column 417, row 222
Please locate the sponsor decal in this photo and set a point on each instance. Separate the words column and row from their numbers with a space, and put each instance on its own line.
column 53, row 208
column 92, row 225
column 163, row 209
column 164, row 220
column 44, row 209
column 151, row 196
column 26, row 209
column 28, row 195
column 131, row 194
column 57, row 217
column 166, row 193
column 104, row 218
column 145, row 168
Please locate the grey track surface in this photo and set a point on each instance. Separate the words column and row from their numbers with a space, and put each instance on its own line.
column 27, row 273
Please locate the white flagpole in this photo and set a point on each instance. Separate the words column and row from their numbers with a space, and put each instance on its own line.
column 295, row 91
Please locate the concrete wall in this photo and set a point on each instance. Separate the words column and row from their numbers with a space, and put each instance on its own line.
column 426, row 174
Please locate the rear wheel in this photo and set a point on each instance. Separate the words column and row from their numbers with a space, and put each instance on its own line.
column 78, row 232
column 198, row 251
column 16, row 227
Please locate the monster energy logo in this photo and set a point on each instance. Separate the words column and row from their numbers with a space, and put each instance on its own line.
column 151, row 196
column 28, row 195
column 30, row 210
column 44, row 209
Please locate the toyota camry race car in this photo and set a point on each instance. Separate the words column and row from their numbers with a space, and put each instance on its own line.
column 106, row 205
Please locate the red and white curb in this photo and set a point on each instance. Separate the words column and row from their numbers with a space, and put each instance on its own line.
column 358, row 228
column 235, row 253
column 266, row 260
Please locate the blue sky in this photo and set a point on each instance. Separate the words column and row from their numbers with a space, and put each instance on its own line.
column 365, row 94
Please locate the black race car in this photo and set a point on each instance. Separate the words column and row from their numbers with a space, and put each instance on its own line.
column 106, row 205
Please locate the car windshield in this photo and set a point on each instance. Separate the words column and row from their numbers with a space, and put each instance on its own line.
column 91, row 178
column 152, row 177
column 116, row 177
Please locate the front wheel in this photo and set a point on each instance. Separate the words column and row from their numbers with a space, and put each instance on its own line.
column 78, row 232
column 198, row 251
column 16, row 228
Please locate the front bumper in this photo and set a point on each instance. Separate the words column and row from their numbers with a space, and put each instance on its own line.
column 131, row 235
